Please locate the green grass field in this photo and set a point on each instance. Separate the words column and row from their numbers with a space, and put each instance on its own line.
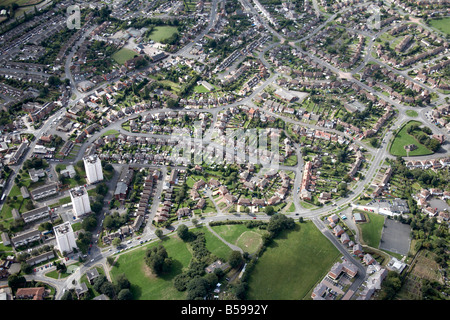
column 145, row 285
column 163, row 32
column 247, row 239
column 109, row 132
column 403, row 138
column 299, row 259
column 123, row 55
column 371, row 231
column 215, row 245
column 200, row 89
column 441, row 24
column 411, row 113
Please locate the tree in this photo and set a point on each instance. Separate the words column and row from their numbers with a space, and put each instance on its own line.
column 110, row 260
column 89, row 223
column 54, row 81
column 269, row 210
column 279, row 222
column 15, row 281
column 98, row 282
column 235, row 259
column 29, row 205
column 197, row 288
column 116, row 242
column 107, row 288
column 240, row 290
column 125, row 294
column 26, row 268
column 158, row 260
column 123, row 282
column 183, row 233
column 159, row 233
column 212, row 279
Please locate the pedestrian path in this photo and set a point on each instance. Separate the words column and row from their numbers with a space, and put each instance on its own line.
column 232, row 246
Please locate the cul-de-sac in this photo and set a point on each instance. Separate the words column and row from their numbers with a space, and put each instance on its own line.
column 224, row 150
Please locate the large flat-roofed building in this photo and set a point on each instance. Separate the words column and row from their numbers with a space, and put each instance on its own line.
column 65, row 237
column 80, row 201
column 44, row 191
column 93, row 167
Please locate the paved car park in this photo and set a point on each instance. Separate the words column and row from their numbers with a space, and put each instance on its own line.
column 396, row 237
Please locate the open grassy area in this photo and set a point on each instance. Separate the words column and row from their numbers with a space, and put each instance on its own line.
column 247, row 239
column 162, row 32
column 441, row 24
column 411, row 113
column 215, row 245
column 123, row 55
column 144, row 284
column 402, row 139
column 299, row 258
column 200, row 89
column 371, row 230
column 110, row 132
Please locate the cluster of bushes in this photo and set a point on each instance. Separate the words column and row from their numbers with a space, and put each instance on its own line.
column 120, row 290
column 192, row 280
column 158, row 260
column 422, row 135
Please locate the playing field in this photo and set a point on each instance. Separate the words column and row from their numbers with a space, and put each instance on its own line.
column 247, row 239
column 441, row 24
column 371, row 230
column 123, row 55
column 162, row 33
column 144, row 284
column 292, row 265
column 403, row 138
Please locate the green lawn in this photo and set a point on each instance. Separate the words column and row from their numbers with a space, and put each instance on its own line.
column 292, row 265
column 123, row 55
column 109, row 132
column 215, row 245
column 146, row 286
column 200, row 89
column 163, row 32
column 371, row 230
column 403, row 138
column 441, row 24
column 248, row 239
column 411, row 113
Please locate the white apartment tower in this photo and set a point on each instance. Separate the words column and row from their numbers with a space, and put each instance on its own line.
column 65, row 238
column 80, row 201
column 93, row 167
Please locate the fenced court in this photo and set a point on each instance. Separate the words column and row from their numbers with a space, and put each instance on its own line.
column 395, row 237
